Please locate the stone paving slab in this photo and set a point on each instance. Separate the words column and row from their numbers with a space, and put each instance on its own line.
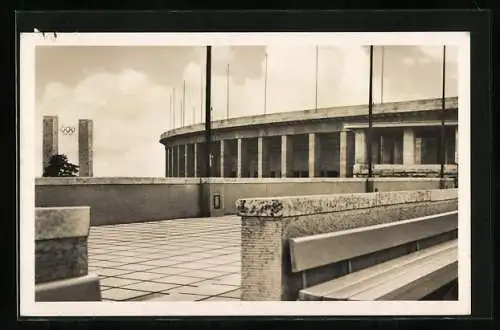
column 172, row 260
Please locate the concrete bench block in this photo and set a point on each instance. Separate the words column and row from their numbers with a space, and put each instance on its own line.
column 268, row 224
column 61, row 242
column 83, row 288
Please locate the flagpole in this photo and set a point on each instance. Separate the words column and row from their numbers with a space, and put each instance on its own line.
column 443, row 109
column 265, row 85
column 227, row 92
column 382, row 77
column 183, row 102
column 201, row 95
column 173, row 105
column 370, row 123
column 316, row 77
column 171, row 112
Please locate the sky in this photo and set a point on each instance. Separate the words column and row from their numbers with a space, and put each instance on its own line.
column 132, row 92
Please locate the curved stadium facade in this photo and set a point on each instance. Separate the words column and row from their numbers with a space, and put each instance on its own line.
column 325, row 142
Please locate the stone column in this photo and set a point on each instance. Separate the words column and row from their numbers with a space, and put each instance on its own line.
column 195, row 160
column 50, row 138
column 286, row 155
column 263, row 157
column 344, row 163
column 418, row 150
column 85, row 142
column 456, row 145
column 167, row 161
column 186, row 160
column 178, row 160
column 242, row 156
column 172, row 154
column 222, row 160
column 313, row 154
column 360, row 147
column 408, row 146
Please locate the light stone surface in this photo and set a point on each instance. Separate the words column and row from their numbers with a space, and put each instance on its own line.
column 61, row 222
column 276, row 208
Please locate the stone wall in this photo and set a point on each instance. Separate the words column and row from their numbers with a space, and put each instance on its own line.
column 122, row 200
column 268, row 223
column 231, row 190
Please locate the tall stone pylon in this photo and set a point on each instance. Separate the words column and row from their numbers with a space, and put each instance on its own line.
column 50, row 138
column 85, row 147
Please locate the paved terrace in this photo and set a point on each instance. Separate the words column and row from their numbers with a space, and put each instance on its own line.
column 181, row 260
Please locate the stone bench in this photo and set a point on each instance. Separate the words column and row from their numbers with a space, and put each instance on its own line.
column 268, row 225
column 61, row 259
column 402, row 260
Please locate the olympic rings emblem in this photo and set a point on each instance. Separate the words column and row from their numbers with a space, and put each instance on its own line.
column 68, row 130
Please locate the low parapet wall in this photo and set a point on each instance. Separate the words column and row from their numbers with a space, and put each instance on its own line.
column 122, row 200
column 268, row 224
column 127, row 200
column 61, row 257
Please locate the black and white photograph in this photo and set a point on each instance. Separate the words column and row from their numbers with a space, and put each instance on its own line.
column 256, row 173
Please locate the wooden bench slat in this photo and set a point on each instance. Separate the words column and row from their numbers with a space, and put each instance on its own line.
column 407, row 286
column 319, row 250
column 354, row 279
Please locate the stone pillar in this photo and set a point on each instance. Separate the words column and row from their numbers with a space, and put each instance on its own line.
column 178, row 161
column 344, row 163
column 418, row 150
column 263, row 157
column 186, row 160
column 242, row 157
column 222, row 160
column 408, row 146
column 50, row 138
column 286, row 156
column 360, row 147
column 167, row 161
column 172, row 153
column 85, row 141
column 456, row 144
column 313, row 155
column 195, row 160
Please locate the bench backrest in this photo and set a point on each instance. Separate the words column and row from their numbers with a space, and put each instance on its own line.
column 319, row 250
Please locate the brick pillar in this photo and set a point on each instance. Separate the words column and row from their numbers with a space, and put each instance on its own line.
column 50, row 138
column 360, row 147
column 408, row 146
column 344, row 163
column 263, row 157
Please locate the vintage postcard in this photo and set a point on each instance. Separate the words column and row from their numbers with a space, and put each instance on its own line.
column 186, row 174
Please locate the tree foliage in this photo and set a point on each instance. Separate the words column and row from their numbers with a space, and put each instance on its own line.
column 59, row 166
